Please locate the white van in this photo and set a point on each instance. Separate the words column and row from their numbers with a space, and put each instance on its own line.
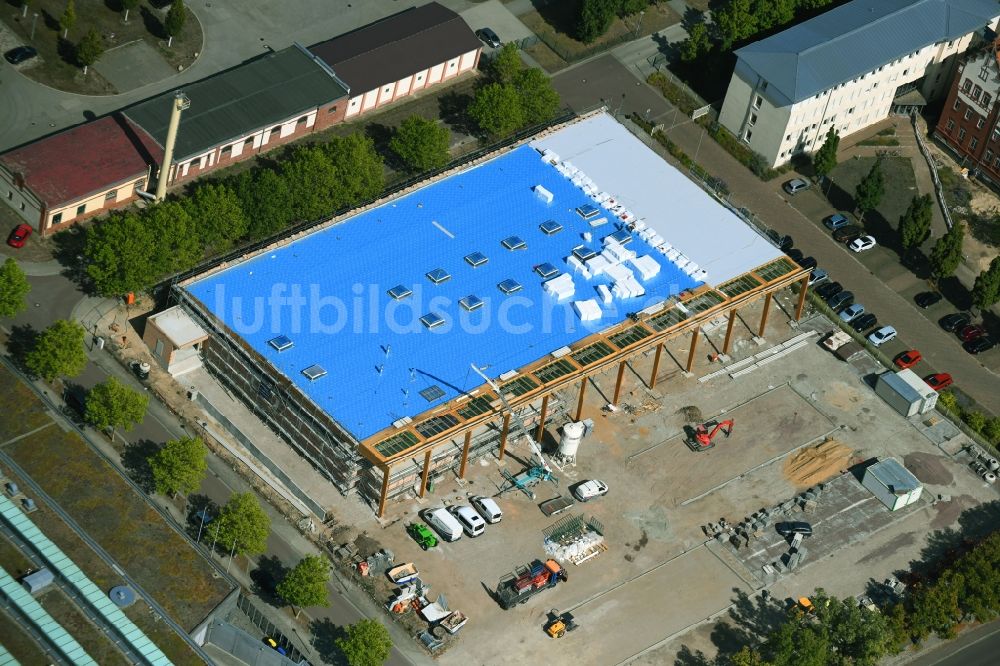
column 444, row 523
column 472, row 522
column 488, row 509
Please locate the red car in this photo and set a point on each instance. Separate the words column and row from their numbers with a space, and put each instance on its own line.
column 939, row 381
column 908, row 359
column 971, row 332
column 19, row 235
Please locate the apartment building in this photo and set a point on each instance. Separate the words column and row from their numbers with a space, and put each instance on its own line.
column 848, row 69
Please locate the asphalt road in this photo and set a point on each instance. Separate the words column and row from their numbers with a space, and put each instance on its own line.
column 979, row 647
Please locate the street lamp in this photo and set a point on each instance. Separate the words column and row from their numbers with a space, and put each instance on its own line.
column 638, row 25
column 34, row 20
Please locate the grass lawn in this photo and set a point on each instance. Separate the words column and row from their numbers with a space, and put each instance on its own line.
column 550, row 61
column 20, row 410
column 900, row 188
column 555, row 24
column 55, row 65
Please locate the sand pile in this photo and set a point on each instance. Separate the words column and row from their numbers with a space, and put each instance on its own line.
column 817, row 464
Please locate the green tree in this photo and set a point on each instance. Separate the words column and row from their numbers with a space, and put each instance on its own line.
column 58, row 351
column 915, row 223
column 218, row 216
column 180, row 466
column 174, row 21
column 266, row 201
column 177, row 236
column 595, row 18
column 771, row 13
column 359, row 169
column 506, row 64
column 421, row 144
column 859, row 636
column 735, row 22
column 985, row 291
column 365, row 643
column 242, row 526
column 539, row 100
column 992, row 432
column 14, row 287
column 797, row 643
column 947, row 252
column 630, row 7
column 128, row 5
column 121, row 254
column 496, row 109
column 870, row 190
column 68, row 19
column 89, row 50
column 305, row 585
column 745, row 657
column 697, row 43
column 312, row 182
column 825, row 159
column 113, row 405
column 934, row 609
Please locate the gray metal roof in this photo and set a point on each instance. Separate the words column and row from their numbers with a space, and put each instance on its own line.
column 857, row 38
column 891, row 473
column 238, row 101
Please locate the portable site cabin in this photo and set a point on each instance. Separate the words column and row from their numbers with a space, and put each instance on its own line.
column 892, row 484
column 906, row 392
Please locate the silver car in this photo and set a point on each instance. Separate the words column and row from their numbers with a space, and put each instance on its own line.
column 795, row 185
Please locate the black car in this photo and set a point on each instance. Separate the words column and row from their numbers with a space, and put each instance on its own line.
column 925, row 299
column 979, row 345
column 848, row 233
column 807, row 262
column 18, row 55
column 783, row 241
column 864, row 322
column 841, row 300
column 794, row 255
column 788, row 529
column 489, row 37
column 827, row 290
column 954, row 321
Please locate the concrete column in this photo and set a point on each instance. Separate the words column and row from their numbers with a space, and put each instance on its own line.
column 803, row 288
column 541, row 419
column 385, row 492
column 656, row 365
column 763, row 315
column 618, row 383
column 503, row 435
column 729, row 331
column 694, row 346
column 465, row 453
column 427, row 469
column 579, row 401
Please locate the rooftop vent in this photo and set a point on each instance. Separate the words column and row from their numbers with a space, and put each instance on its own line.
column 432, row 320
column 509, row 286
column 476, row 259
column 587, row 211
column 399, row 292
column 432, row 393
column 582, row 252
column 514, row 243
column 314, row 372
column 438, row 275
column 281, row 343
column 550, row 227
column 622, row 237
column 546, row 270
column 471, row 302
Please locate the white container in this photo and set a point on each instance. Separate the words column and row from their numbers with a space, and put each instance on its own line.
column 572, row 435
column 892, row 484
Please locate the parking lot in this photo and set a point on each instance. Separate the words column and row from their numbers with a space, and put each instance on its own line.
column 658, row 578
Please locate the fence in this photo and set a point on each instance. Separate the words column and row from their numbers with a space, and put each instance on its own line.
column 938, row 188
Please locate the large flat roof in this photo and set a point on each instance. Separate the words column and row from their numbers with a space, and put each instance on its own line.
column 327, row 292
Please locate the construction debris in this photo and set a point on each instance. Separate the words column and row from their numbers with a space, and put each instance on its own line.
column 817, row 464
column 575, row 540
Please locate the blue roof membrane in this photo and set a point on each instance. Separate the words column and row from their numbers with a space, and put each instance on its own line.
column 327, row 292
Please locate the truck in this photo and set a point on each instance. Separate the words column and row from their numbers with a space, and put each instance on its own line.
column 842, row 345
column 527, row 581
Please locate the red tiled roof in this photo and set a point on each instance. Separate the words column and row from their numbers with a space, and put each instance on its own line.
column 95, row 156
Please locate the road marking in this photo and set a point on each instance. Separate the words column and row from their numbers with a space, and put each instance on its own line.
column 964, row 647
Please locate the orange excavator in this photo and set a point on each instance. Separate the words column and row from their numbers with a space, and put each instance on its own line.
column 702, row 436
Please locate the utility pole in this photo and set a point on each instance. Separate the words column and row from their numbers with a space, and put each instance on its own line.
column 34, row 20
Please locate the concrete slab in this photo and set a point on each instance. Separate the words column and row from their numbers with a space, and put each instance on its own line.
column 132, row 66
column 496, row 15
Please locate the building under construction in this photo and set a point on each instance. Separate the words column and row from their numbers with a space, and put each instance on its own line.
column 364, row 341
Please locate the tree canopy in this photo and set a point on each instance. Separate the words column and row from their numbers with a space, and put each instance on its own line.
column 221, row 218
column 126, row 6
column 113, row 405
column 915, row 222
column 14, row 287
column 825, row 158
column 497, row 110
column 986, row 290
column 58, row 351
column 595, row 18
column 173, row 23
column 697, row 44
column 946, row 254
column 305, row 585
column 506, row 64
column 68, row 19
column 870, row 190
column 365, row 643
column 90, row 49
column 421, row 144
column 180, row 466
column 242, row 526
column 122, row 253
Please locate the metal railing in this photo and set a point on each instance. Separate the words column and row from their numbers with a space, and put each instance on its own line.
column 938, row 188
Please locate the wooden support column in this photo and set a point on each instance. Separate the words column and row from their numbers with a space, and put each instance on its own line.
column 656, row 365
column 763, row 316
column 427, row 469
column 579, row 402
column 385, row 492
column 729, row 331
column 541, row 419
column 503, row 435
column 465, row 453
column 694, row 346
column 618, row 382
column 803, row 288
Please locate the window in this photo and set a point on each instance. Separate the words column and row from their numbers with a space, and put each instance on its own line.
column 81, row 209
column 958, row 104
column 22, row 205
column 783, row 153
column 763, row 86
column 111, row 196
column 996, row 163
column 788, row 137
column 976, row 92
column 332, row 109
column 248, row 143
column 757, row 101
column 968, row 113
column 985, row 101
column 961, row 134
column 905, row 72
column 276, row 131
column 10, row 194
column 973, row 142
column 881, row 68
column 875, row 85
column 989, row 154
column 139, row 184
column 57, row 218
column 850, row 111
column 951, row 42
column 301, row 121
column 980, row 122
column 753, row 119
column 951, row 125
column 966, row 85
column 226, row 150
column 746, row 136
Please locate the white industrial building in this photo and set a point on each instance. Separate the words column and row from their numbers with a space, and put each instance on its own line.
column 847, row 68
column 892, row 484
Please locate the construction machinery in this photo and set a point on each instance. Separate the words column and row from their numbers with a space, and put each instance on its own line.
column 560, row 624
column 527, row 581
column 702, row 436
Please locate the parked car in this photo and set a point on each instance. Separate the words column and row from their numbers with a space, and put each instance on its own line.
column 851, row 312
column 489, row 37
column 789, row 529
column 925, row 299
column 971, row 332
column 939, row 381
column 817, row 276
column 795, row 185
column 862, row 244
column 848, row 233
column 19, row 54
column 841, row 300
column 783, row 241
column 955, row 321
column 795, row 254
column 864, row 322
column 979, row 345
column 488, row 509
column 882, row 336
column 836, row 221
column 827, row 290
column 808, row 262
column 908, row 359
column 19, row 235
column 472, row 523
column 588, row 490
